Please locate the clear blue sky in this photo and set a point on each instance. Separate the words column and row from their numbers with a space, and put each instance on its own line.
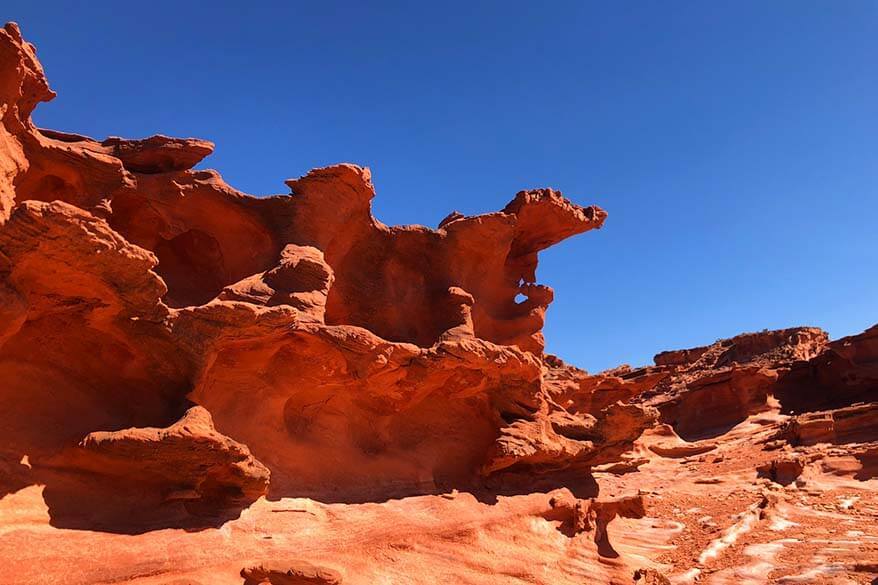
column 734, row 145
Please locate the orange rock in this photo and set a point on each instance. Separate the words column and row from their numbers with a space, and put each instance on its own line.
column 201, row 386
column 400, row 351
column 290, row 573
column 187, row 462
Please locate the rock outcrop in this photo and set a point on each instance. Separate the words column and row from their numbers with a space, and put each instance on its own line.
column 311, row 332
column 290, row 573
column 187, row 462
column 203, row 386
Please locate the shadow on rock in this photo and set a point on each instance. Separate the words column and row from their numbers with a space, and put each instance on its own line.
column 86, row 502
column 514, row 482
column 134, row 480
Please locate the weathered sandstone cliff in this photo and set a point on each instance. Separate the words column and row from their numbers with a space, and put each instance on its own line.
column 202, row 386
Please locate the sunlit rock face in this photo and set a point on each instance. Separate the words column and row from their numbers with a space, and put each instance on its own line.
column 201, row 386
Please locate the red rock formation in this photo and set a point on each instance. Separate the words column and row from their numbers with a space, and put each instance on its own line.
column 711, row 389
column 188, row 462
column 852, row 424
column 290, row 573
column 357, row 361
column 201, row 386
column 845, row 373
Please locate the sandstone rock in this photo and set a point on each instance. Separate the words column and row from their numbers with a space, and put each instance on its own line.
column 290, row 573
column 158, row 154
column 561, row 440
column 311, row 332
column 650, row 577
column 783, row 345
column 783, row 470
column 172, row 350
column 705, row 391
column 301, row 279
column 844, row 425
column 85, row 344
column 593, row 516
column 844, row 374
column 188, row 461
column 712, row 402
column 576, row 389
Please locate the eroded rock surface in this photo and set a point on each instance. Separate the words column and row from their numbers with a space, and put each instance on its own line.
column 202, row 386
column 188, row 462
